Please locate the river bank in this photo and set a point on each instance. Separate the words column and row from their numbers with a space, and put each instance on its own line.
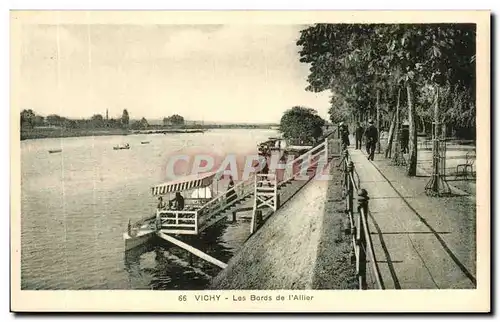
column 301, row 246
column 73, row 203
column 46, row 133
column 67, row 133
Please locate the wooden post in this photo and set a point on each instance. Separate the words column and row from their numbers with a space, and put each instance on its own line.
column 158, row 220
column 234, row 216
column 363, row 212
column 196, row 222
column 258, row 217
column 344, row 165
column 193, row 250
column 378, row 121
column 191, row 259
column 326, row 149
column 350, row 191
column 255, row 205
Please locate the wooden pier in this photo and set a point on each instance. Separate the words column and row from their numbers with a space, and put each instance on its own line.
column 257, row 193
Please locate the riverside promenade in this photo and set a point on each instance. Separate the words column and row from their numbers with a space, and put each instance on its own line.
column 420, row 242
column 301, row 246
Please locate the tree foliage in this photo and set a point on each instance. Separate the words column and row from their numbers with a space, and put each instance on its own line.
column 301, row 124
column 140, row 125
column 173, row 120
column 357, row 61
column 125, row 118
column 27, row 118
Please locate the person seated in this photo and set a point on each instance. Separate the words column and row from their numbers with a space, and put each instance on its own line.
column 178, row 202
column 161, row 204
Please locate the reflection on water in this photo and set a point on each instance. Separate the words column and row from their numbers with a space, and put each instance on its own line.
column 75, row 206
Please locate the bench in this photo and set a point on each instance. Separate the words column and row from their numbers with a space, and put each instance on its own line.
column 467, row 168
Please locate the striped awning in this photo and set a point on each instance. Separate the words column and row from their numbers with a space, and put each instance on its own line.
column 185, row 183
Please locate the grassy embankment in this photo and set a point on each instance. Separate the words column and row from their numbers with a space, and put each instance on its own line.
column 301, row 246
column 43, row 133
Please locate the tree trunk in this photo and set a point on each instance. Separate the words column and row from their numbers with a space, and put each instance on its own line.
column 422, row 124
column 412, row 162
column 378, row 120
column 388, row 148
column 397, row 148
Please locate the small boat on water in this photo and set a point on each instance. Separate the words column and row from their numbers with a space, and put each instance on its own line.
column 272, row 143
column 122, row 147
column 144, row 142
column 55, row 150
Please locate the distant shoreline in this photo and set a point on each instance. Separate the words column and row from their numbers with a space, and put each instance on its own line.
column 44, row 133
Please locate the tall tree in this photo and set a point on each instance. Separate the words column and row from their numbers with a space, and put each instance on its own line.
column 125, row 118
column 302, row 124
column 357, row 61
column 27, row 118
column 97, row 121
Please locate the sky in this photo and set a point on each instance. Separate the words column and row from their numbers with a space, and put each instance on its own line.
column 212, row 73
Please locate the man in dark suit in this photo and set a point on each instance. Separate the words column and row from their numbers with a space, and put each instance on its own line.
column 359, row 135
column 371, row 134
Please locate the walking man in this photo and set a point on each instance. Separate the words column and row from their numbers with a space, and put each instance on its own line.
column 371, row 134
column 359, row 136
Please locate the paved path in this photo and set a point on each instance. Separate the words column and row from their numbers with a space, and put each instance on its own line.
column 420, row 242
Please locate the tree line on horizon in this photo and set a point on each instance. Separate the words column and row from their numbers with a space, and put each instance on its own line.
column 29, row 120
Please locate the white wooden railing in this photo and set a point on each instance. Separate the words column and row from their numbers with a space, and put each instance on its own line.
column 300, row 165
column 177, row 221
column 189, row 221
column 221, row 202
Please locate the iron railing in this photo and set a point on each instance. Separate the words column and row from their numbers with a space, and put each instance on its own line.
column 358, row 222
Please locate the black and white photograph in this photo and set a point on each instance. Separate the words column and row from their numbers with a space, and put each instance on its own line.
column 249, row 162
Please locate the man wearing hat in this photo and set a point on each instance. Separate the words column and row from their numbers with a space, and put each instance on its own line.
column 359, row 135
column 344, row 134
column 371, row 134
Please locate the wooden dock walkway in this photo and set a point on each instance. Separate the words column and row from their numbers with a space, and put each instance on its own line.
column 420, row 242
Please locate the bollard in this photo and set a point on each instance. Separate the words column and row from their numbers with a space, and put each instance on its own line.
column 363, row 200
column 363, row 212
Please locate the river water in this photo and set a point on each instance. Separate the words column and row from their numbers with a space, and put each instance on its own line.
column 75, row 206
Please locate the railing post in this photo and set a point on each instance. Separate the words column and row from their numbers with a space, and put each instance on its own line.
column 196, row 222
column 350, row 191
column 326, row 149
column 158, row 220
column 363, row 212
column 344, row 168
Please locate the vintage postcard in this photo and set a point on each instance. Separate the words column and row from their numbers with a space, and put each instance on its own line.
column 250, row 161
